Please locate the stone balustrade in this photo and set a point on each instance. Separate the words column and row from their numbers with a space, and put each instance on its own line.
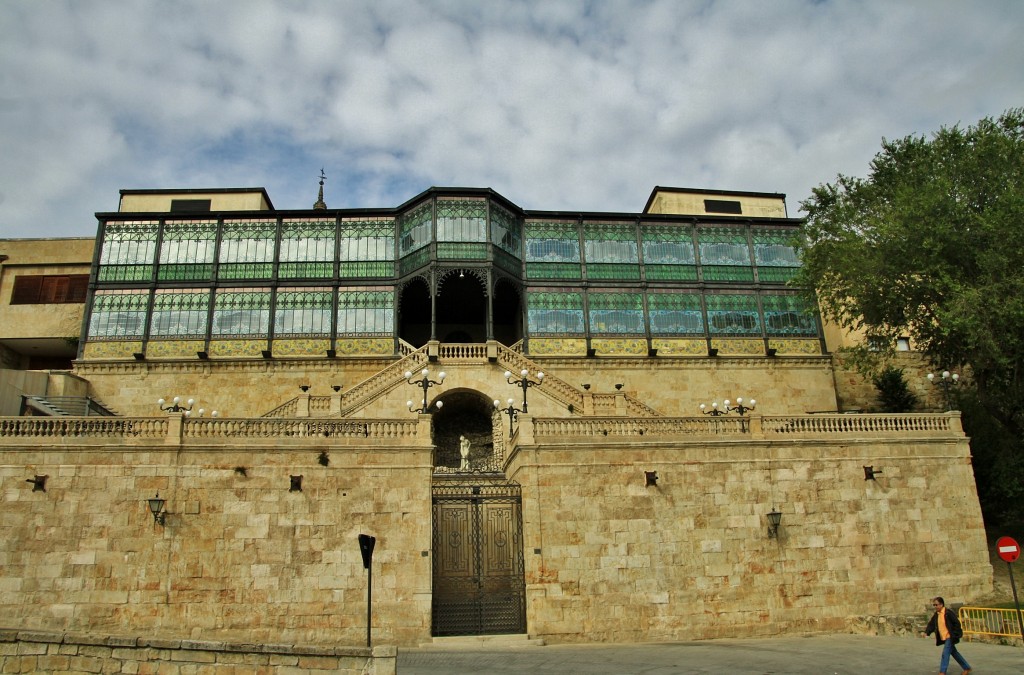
column 172, row 427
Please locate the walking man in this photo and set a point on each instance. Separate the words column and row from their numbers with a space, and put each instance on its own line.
column 947, row 629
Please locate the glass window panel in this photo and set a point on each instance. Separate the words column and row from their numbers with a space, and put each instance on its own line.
column 774, row 248
column 723, row 246
column 129, row 243
column 366, row 312
column 118, row 315
column 675, row 314
column 248, row 241
column 506, row 230
column 610, row 243
column 367, row 240
column 733, row 315
column 188, row 242
column 616, row 313
column 668, row 245
column 552, row 242
column 788, row 315
column 179, row 313
column 307, row 241
column 241, row 313
column 415, row 229
column 555, row 313
column 303, row 312
column 461, row 220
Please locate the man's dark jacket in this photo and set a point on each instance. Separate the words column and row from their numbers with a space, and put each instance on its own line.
column 956, row 631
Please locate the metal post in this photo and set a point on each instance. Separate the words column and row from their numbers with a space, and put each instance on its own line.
column 1016, row 603
column 366, row 544
column 369, row 602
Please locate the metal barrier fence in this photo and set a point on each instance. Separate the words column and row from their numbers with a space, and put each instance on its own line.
column 990, row 621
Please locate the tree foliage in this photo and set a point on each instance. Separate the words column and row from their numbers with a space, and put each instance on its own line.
column 931, row 245
column 894, row 394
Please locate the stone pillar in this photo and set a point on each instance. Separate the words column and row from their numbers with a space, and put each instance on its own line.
column 525, row 436
column 175, row 422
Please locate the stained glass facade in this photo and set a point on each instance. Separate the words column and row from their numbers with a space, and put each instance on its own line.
column 326, row 276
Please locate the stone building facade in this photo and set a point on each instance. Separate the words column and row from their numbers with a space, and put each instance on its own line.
column 599, row 501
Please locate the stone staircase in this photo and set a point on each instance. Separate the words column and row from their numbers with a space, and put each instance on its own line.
column 575, row 400
column 67, row 406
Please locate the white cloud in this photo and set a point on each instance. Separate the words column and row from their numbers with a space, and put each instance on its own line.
column 557, row 105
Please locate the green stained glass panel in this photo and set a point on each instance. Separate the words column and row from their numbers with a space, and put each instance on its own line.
column 607, row 271
column 727, row 273
column 536, row 270
column 733, row 315
column 671, row 272
column 788, row 315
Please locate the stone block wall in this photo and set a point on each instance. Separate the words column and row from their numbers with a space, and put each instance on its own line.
column 241, row 555
column 610, row 558
column 44, row 652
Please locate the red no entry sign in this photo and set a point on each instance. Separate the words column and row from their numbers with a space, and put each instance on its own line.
column 1008, row 549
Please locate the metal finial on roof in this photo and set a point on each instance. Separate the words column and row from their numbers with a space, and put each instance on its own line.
column 320, row 204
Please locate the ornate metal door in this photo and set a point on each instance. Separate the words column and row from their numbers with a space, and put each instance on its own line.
column 478, row 582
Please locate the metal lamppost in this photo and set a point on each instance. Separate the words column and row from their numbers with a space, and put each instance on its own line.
column 424, row 383
column 739, row 408
column 946, row 380
column 176, row 407
column 511, row 411
column 524, row 382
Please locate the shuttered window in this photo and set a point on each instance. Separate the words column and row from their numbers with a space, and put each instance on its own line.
column 49, row 289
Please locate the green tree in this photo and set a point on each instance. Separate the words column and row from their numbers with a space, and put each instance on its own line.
column 931, row 244
column 893, row 393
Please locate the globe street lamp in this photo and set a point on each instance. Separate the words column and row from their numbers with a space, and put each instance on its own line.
column 511, row 411
column 946, row 380
column 424, row 383
column 524, row 382
column 739, row 408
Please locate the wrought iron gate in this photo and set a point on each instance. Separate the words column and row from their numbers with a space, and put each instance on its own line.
column 478, row 582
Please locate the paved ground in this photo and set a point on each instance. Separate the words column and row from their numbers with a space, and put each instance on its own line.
column 817, row 655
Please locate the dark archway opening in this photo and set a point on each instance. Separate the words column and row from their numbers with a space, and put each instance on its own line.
column 465, row 413
column 462, row 310
column 507, row 313
column 414, row 313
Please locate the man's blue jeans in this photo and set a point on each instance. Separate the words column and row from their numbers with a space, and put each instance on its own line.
column 949, row 649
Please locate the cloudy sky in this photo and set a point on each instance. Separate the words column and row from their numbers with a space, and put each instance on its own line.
column 555, row 104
